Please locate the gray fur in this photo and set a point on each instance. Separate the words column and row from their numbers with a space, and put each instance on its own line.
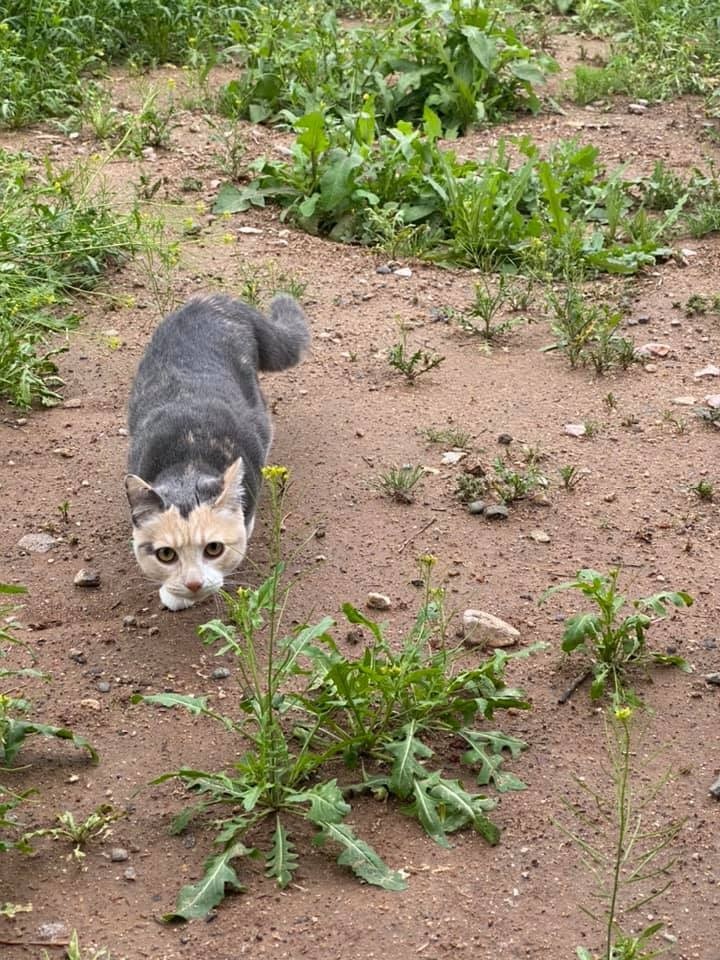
column 196, row 405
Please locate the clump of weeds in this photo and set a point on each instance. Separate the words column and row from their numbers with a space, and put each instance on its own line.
column 95, row 827
column 398, row 483
column 614, row 644
column 305, row 709
column 411, row 365
column 454, row 437
column 470, row 486
column 511, row 484
column 570, row 476
column 704, row 490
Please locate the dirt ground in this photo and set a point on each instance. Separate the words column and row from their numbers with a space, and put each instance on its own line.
column 341, row 418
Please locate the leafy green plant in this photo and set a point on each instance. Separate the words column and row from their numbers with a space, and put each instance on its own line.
column 398, row 483
column 710, row 416
column 704, row 490
column 95, row 826
column 570, row 476
column 587, row 333
column 612, row 642
column 454, row 437
column 411, row 365
column 510, row 484
column 624, row 847
column 470, row 486
column 57, row 233
column 307, row 706
column 486, row 305
column 75, row 951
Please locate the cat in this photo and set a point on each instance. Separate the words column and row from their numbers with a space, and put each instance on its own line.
column 200, row 434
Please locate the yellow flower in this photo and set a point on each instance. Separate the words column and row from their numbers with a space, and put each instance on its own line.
column 275, row 474
column 623, row 713
column 427, row 560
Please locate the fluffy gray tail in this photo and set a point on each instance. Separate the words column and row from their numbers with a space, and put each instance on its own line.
column 284, row 336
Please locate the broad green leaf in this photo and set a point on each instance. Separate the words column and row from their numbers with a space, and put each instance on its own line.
column 527, row 71
column 425, row 809
column 326, row 802
column 597, row 687
column 672, row 660
column 282, row 860
column 486, row 749
column 360, row 857
column 483, row 48
column 658, row 602
column 231, row 199
column 198, row 899
column 16, row 731
column 337, row 182
column 432, row 125
column 470, row 808
column 405, row 768
column 312, row 135
column 354, row 616
column 578, row 629
column 195, row 705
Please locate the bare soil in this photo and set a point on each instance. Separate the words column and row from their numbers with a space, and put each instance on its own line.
column 341, row 418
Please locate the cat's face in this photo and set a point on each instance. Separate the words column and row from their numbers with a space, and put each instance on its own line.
column 189, row 557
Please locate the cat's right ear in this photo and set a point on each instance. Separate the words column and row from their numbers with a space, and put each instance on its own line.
column 144, row 501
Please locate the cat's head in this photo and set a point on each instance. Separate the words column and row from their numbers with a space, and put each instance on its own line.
column 189, row 552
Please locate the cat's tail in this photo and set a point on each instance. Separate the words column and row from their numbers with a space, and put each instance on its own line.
column 284, row 336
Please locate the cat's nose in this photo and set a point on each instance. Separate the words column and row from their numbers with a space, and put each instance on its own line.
column 193, row 585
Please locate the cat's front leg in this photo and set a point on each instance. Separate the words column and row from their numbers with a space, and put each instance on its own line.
column 173, row 602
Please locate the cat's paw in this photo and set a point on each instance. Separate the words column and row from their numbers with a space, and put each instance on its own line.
column 172, row 602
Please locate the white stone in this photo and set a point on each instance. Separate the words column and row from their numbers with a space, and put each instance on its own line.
column 378, row 601
column 711, row 370
column 486, row 630
column 452, row 457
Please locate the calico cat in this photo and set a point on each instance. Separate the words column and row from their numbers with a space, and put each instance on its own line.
column 200, row 434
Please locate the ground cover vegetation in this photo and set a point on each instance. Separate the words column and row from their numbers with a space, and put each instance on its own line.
column 372, row 102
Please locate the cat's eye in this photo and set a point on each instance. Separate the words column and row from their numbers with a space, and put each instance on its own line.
column 165, row 554
column 214, row 548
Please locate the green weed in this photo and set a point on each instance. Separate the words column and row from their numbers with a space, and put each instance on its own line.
column 614, row 644
column 454, row 437
column 398, row 483
column 308, row 706
column 587, row 333
column 79, row 833
column 704, row 490
column 510, row 484
column 570, row 476
column 624, row 846
column 411, row 365
column 469, row 487
column 57, row 233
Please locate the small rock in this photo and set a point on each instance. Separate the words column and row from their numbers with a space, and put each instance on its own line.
column 119, row 855
column 384, row 269
column 684, row 401
column 130, row 874
column 713, row 678
column 505, row 439
column 153, row 631
column 403, row 272
column 52, row 931
column 122, row 431
column 476, row 507
column 249, row 230
column 485, row 629
column 575, row 429
column 378, row 601
column 713, row 400
column 86, row 578
column 103, row 686
column 73, row 404
column 129, row 621
column 539, row 536
column 90, row 704
column 654, row 349
column 149, row 154
column 638, row 108
column 650, row 368
column 498, row 511
column 715, row 789
column 452, row 457
column 644, row 320
column 220, row 673
column 37, row 542
column 709, row 371
column 610, row 497
column 76, row 654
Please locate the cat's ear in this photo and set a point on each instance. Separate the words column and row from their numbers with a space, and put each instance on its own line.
column 232, row 495
column 144, row 501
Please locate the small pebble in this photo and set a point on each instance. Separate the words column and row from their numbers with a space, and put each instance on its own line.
column 119, row 855
column 539, row 536
column 130, row 874
column 220, row 673
column 103, row 686
column 86, row 578
column 384, row 269
column 497, row 512
column 713, row 678
column 476, row 507
column 711, row 370
column 505, row 439
column 129, row 621
column 403, row 272
column 153, row 631
column 63, row 452
column 638, row 108
column 77, row 655
column 90, row 704
column 378, row 601
column 575, row 429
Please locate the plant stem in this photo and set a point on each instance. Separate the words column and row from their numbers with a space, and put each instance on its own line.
column 622, row 810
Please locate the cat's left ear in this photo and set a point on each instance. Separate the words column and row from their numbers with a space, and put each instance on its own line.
column 144, row 501
column 232, row 495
